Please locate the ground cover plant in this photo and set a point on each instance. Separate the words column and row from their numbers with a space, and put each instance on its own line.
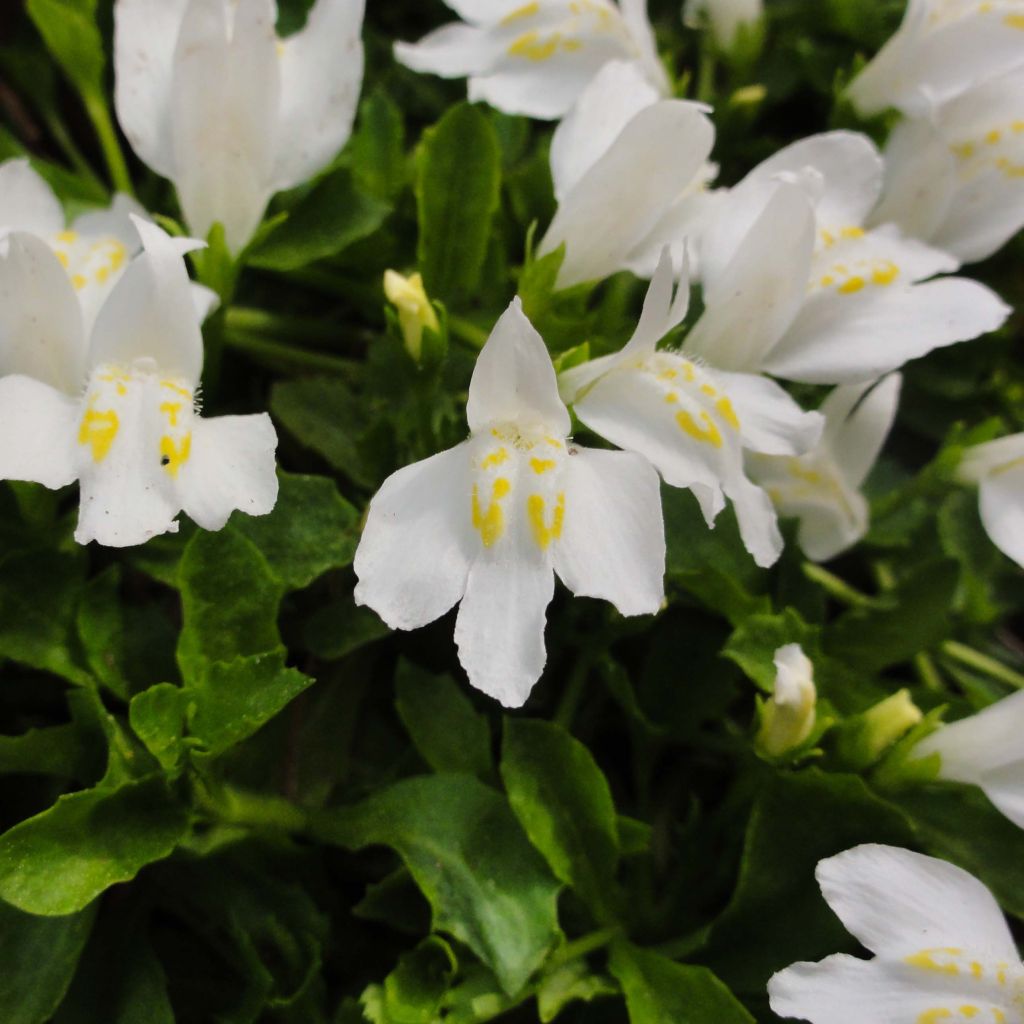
column 511, row 511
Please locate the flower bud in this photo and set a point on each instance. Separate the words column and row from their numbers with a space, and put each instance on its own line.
column 788, row 718
column 415, row 311
column 867, row 737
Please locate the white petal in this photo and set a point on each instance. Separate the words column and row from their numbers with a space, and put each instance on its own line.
column 681, row 229
column 851, row 169
column 844, row 990
column 1004, row 786
column 452, row 51
column 986, row 214
column 145, row 36
column 514, row 379
column 859, row 420
column 37, row 430
column 613, row 539
column 771, row 422
column 665, row 304
column 151, row 312
column 848, row 338
column 620, row 199
column 898, row 903
column 321, row 75
column 500, row 627
column 204, row 300
column 114, row 222
column 981, row 460
column 225, row 97
column 1001, row 504
column 755, row 299
column 617, row 93
column 418, row 543
column 829, row 529
column 230, row 466
column 41, row 332
column 758, row 523
column 27, row 203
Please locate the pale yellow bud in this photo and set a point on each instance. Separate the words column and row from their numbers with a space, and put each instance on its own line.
column 788, row 718
column 415, row 311
column 868, row 736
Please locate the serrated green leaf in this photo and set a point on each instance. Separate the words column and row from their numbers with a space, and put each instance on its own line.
column 456, row 198
column 59, row 861
column 449, row 734
column 754, row 642
column 572, row 982
column 157, row 716
column 563, row 801
column 486, row 885
column 57, row 750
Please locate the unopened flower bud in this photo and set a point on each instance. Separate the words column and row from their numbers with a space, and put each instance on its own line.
column 788, row 718
column 415, row 311
column 868, row 736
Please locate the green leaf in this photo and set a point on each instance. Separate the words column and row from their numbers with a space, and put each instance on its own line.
column 458, row 179
column 341, row 627
column 69, row 30
column 906, row 620
column 562, row 800
column 333, row 215
column 660, row 991
column 229, row 598
column 413, row 991
column 377, row 147
column 754, row 642
column 229, row 701
column 157, row 716
column 56, row 750
column 59, row 861
column 39, row 955
column 449, row 734
column 312, row 529
column 486, row 885
column 572, row 982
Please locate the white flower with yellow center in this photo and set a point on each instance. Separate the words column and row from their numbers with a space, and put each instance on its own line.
column 690, row 419
column 822, row 487
column 535, row 58
column 630, row 172
column 997, row 469
column 864, row 305
column 210, row 97
column 943, row 951
column 134, row 439
column 955, row 178
column 942, row 49
column 491, row 521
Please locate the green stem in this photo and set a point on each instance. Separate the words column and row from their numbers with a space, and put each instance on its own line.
column 247, row 319
column 573, row 693
column 983, row 663
column 467, row 331
column 832, row 584
column 708, row 68
column 99, row 114
column 232, row 806
column 277, row 354
column 927, row 672
column 583, row 946
column 70, row 149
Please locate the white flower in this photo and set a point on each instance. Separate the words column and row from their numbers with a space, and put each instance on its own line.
column 942, row 48
column 788, row 718
column 727, row 17
column 822, row 487
column 133, row 440
column 491, row 521
column 690, row 419
column 862, row 304
column 943, row 952
column 630, row 171
column 985, row 750
column 210, row 98
column 998, row 470
column 535, row 58
column 955, row 178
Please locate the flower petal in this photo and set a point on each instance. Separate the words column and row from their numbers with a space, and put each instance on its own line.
column 620, row 199
column 982, row 459
column 145, row 36
column 151, row 313
column 418, row 543
column 848, row 338
column 225, row 96
column 500, row 627
column 1004, row 786
column 613, row 539
column 230, row 466
column 37, row 429
column 321, row 75
column 514, row 379
column 772, row 421
column 27, row 203
column 898, row 903
column 41, row 332
column 452, row 51
column 859, row 419
column 827, row 530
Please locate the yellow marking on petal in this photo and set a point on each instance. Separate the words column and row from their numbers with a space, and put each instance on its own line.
column 102, row 274
column 554, row 442
column 668, row 375
column 98, row 430
column 117, row 256
column 708, row 390
column 993, row 136
column 63, row 257
column 885, row 273
column 171, row 410
column 526, row 11
column 672, row 397
column 1017, row 127
column 827, row 280
column 999, row 1016
column 541, row 466
column 976, row 969
column 174, row 454
column 280, row 48
column 67, row 237
column 1014, row 21
column 1001, row 973
column 79, row 281
column 724, row 409
column 810, row 476
column 852, row 285
column 932, row 1016
column 708, row 434
column 532, row 47
column 969, row 1011
column 925, row 960
column 827, row 237
column 176, row 388
column 496, row 458
column 542, row 533
column 964, row 150
column 572, row 45
column 689, row 373
column 490, row 524
column 852, row 232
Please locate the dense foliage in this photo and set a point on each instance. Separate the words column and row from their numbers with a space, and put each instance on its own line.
column 229, row 794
